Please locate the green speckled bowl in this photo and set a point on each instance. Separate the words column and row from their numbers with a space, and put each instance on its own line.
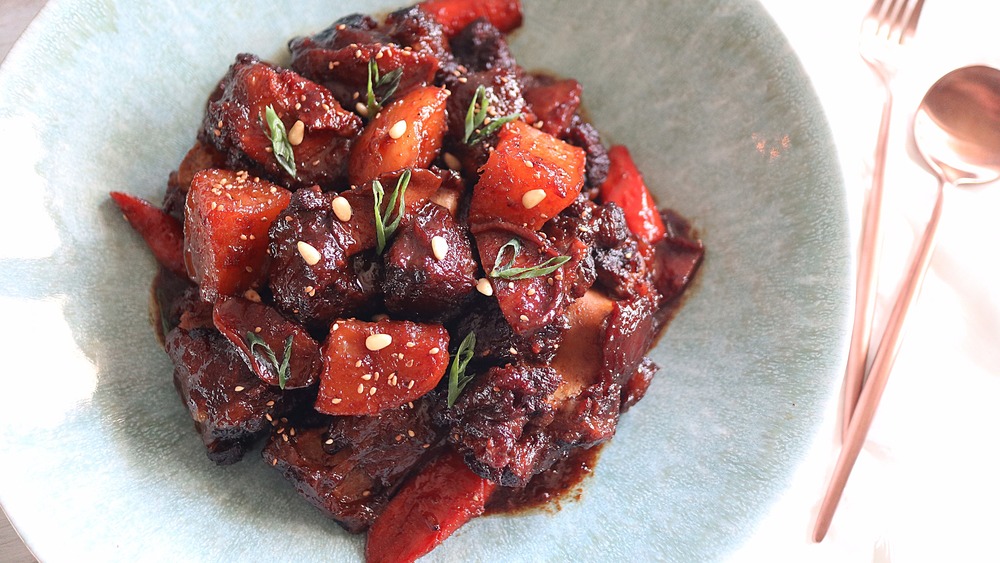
column 99, row 458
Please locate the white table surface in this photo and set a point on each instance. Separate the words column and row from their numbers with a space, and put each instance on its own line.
column 927, row 485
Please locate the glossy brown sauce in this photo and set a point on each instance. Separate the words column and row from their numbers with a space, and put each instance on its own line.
column 549, row 489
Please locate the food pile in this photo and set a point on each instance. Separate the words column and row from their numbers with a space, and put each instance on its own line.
column 411, row 268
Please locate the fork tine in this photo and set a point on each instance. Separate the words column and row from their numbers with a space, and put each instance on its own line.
column 876, row 9
column 911, row 22
column 889, row 26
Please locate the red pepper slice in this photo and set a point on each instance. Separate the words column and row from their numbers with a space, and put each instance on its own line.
column 626, row 188
column 427, row 509
column 163, row 234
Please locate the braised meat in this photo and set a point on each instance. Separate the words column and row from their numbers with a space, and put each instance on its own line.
column 412, row 270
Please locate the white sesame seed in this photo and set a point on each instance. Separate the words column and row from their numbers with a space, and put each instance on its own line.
column 531, row 198
column 411, row 344
column 376, row 342
column 251, row 295
column 367, row 377
column 410, row 433
column 238, row 388
column 336, row 401
column 296, row 133
column 342, row 208
column 410, row 384
column 451, row 161
column 361, row 108
column 439, row 246
column 308, row 252
column 372, row 391
column 483, row 286
column 361, row 387
column 357, row 364
column 434, row 350
column 524, row 318
column 398, row 128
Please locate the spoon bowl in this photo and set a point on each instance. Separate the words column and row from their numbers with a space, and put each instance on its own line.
column 957, row 126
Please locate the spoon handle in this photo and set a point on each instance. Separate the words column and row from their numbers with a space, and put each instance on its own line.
column 867, row 279
column 871, row 394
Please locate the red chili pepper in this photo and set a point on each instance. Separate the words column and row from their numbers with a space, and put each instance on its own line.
column 626, row 188
column 427, row 509
column 163, row 234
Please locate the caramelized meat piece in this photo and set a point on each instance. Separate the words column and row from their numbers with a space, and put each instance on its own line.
column 350, row 470
column 496, row 422
column 226, row 400
column 353, row 29
column 322, row 267
column 554, row 102
column 226, row 221
column 386, row 446
column 420, row 283
column 345, row 73
column 256, row 331
column 370, row 367
column 677, row 256
column 481, row 46
column 318, row 271
column 235, row 123
column 330, row 481
column 412, row 27
column 637, row 385
column 532, row 303
column 503, row 87
column 498, row 344
column 619, row 264
column 582, row 134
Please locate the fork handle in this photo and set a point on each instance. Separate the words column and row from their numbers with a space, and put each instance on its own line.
column 867, row 279
column 857, row 431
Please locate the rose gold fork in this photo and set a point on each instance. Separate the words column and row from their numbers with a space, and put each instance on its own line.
column 886, row 27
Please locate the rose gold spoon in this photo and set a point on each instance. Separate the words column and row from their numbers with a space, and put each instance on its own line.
column 957, row 132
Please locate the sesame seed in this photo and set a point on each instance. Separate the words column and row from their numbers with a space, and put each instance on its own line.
column 361, row 387
column 284, row 437
column 531, row 291
column 439, row 247
column 531, row 198
column 410, row 385
column 361, row 109
column 336, row 401
column 527, row 163
column 524, row 318
column 411, row 344
column 357, row 364
column 378, row 55
column 397, row 130
column 328, row 441
column 341, row 27
column 483, row 286
column 451, row 161
column 268, row 417
column 326, row 107
column 376, row 342
column 309, row 253
column 335, row 327
column 434, row 350
column 463, row 79
column 251, row 295
column 257, row 329
column 411, row 433
column 513, row 350
column 342, row 208
column 367, row 377
column 357, row 54
column 296, row 133
column 238, row 388
column 372, row 390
